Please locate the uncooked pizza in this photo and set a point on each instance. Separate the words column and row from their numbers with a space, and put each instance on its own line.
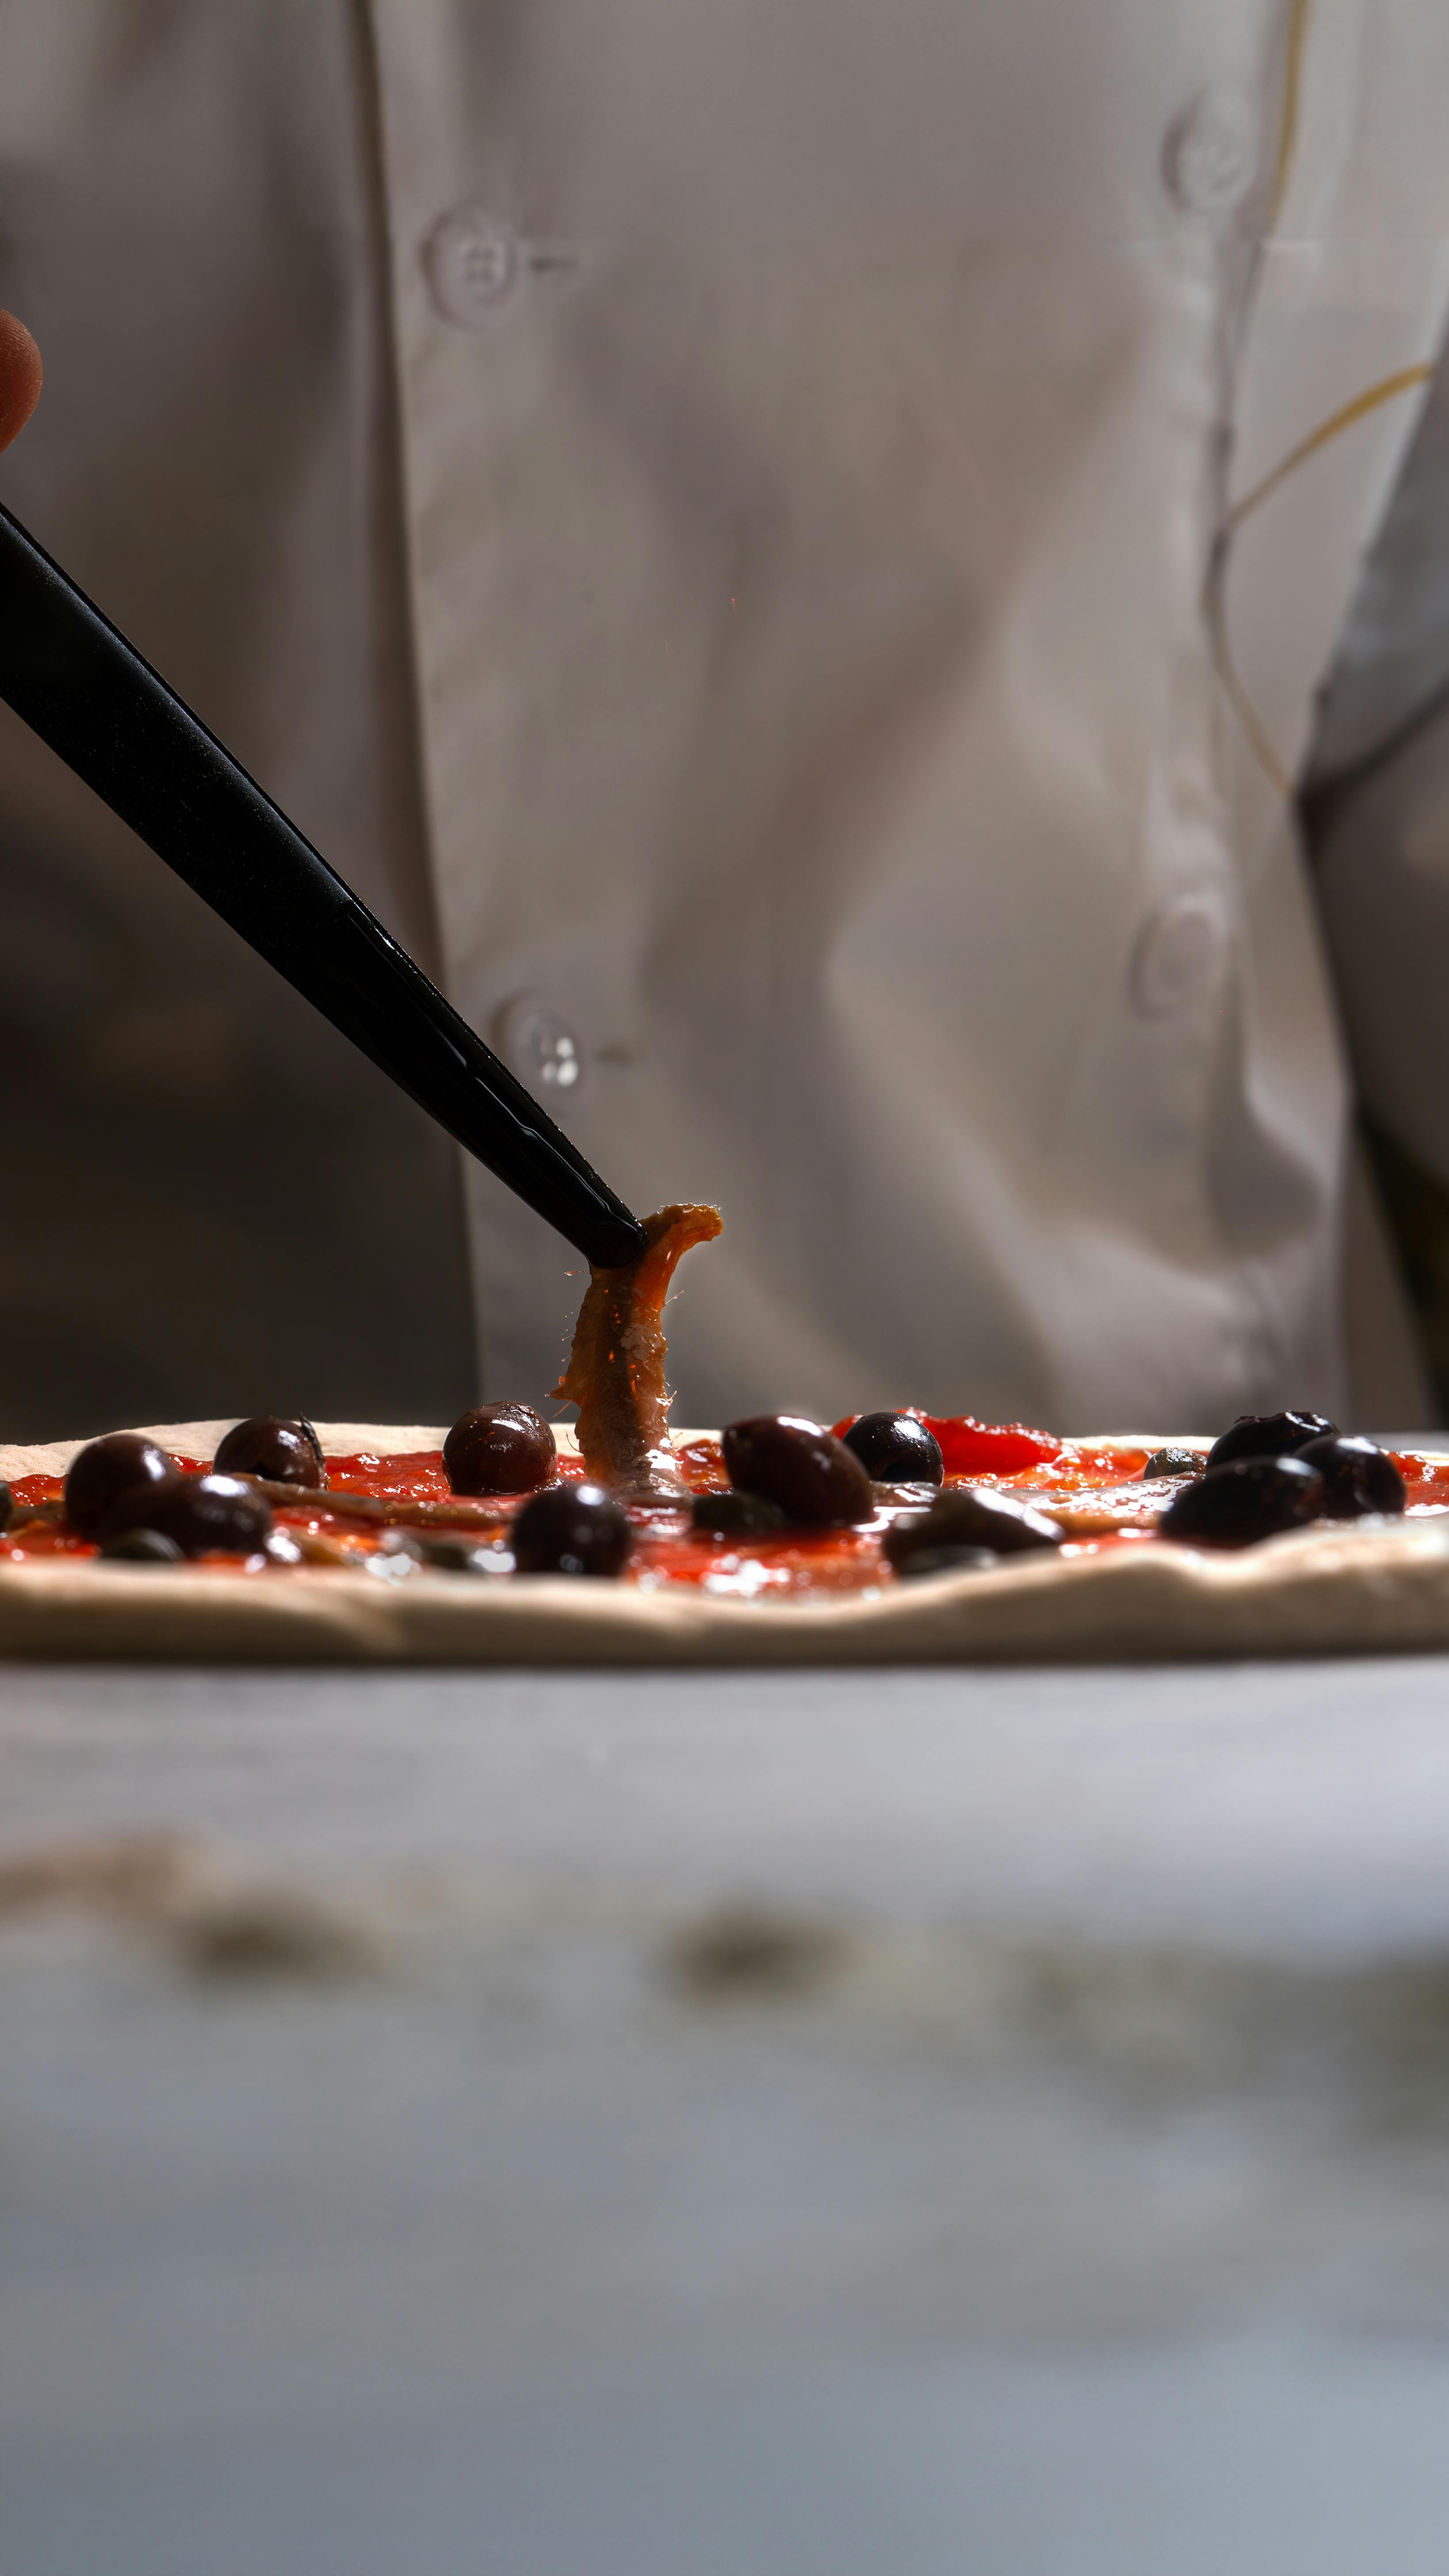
column 889, row 1536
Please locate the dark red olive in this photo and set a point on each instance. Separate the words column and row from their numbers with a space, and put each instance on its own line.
column 203, row 1514
column 1358, row 1478
column 896, row 1449
column 105, row 1471
column 732, row 1515
column 1174, row 1462
column 499, row 1449
column 571, row 1529
column 1267, row 1435
column 140, row 1547
column 1249, row 1499
column 286, row 1452
column 445, row 1555
column 801, row 1466
column 970, row 1518
column 948, row 1560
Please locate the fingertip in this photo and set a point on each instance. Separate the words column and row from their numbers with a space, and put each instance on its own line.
column 21, row 374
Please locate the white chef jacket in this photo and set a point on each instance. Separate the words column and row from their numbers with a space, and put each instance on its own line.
column 717, row 518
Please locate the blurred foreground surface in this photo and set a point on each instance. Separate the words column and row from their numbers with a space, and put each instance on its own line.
column 612, row 2126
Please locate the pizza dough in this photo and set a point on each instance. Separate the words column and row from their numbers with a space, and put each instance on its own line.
column 1338, row 1588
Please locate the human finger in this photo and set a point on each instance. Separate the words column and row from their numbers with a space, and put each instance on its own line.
column 20, row 377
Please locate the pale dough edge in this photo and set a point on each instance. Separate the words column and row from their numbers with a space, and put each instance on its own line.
column 1371, row 1590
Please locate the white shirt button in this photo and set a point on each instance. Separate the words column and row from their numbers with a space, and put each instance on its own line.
column 537, row 1044
column 1177, row 955
column 472, row 264
column 1210, row 156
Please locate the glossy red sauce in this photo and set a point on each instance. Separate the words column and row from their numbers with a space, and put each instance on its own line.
column 972, row 1448
column 1426, row 1481
column 667, row 1552
column 414, row 1474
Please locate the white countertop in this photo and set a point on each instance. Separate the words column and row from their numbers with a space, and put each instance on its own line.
column 572, row 2125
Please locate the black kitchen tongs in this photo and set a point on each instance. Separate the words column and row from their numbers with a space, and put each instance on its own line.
column 88, row 693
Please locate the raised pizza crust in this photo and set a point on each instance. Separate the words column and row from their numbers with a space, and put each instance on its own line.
column 1356, row 1589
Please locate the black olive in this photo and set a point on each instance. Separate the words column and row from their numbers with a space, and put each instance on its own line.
column 203, row 1514
column 1174, row 1462
column 1267, row 1435
column 7, row 1507
column 896, row 1449
column 104, row 1472
column 499, row 1449
column 141, row 1547
column 455, row 1556
column 287, row 1453
column 968, row 1517
column 1357, row 1477
column 1249, row 1499
column 732, row 1515
column 948, row 1560
column 571, row 1529
column 801, row 1466
column 445, row 1554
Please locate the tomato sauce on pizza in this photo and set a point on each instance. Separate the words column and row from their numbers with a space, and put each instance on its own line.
column 775, row 1506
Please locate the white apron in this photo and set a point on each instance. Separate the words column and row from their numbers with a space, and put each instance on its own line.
column 804, row 429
